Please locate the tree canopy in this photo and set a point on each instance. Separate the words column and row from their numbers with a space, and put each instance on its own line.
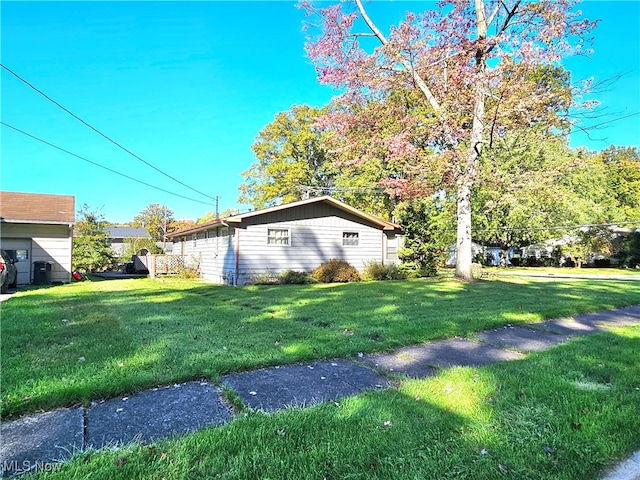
column 440, row 85
column 91, row 244
column 156, row 219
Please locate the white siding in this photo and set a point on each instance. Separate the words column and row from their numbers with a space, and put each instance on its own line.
column 49, row 243
column 215, row 254
column 315, row 236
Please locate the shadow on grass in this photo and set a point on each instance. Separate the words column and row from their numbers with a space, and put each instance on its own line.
column 86, row 341
column 527, row 419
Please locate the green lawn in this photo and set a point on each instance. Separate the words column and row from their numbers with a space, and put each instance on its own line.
column 85, row 341
column 566, row 413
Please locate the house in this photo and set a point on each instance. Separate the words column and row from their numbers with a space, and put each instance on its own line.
column 38, row 228
column 298, row 236
column 119, row 236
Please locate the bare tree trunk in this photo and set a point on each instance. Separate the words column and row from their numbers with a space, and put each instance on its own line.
column 467, row 180
column 464, row 257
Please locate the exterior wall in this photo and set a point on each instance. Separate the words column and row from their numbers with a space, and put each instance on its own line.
column 49, row 243
column 315, row 236
column 214, row 250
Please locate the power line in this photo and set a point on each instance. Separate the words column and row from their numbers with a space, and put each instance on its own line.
column 100, row 133
column 99, row 165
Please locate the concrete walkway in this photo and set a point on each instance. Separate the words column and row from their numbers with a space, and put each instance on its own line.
column 38, row 442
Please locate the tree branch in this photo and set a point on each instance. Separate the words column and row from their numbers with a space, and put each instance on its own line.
column 421, row 84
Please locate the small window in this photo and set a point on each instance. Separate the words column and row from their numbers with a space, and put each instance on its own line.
column 278, row 236
column 194, row 237
column 350, row 238
column 206, row 236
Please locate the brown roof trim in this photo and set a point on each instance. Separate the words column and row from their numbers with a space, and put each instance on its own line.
column 237, row 219
column 17, row 207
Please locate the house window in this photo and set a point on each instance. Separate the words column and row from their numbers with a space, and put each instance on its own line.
column 278, row 236
column 206, row 236
column 350, row 238
column 194, row 238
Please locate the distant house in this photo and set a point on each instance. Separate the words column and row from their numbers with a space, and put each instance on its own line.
column 121, row 235
column 35, row 228
column 298, row 236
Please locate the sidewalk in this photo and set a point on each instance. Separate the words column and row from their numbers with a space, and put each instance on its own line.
column 39, row 441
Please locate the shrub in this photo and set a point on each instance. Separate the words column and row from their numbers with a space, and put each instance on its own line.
column 336, row 270
column 292, row 277
column 378, row 271
column 263, row 278
column 412, row 269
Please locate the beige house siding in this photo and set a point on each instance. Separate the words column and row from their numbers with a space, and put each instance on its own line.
column 49, row 243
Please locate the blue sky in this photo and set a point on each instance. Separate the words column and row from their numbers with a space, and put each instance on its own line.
column 187, row 86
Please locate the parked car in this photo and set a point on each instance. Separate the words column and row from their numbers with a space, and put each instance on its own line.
column 8, row 272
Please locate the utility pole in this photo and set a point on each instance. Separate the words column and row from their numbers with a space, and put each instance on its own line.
column 217, row 215
column 164, row 237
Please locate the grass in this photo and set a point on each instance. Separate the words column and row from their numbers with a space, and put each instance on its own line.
column 76, row 343
column 626, row 272
column 562, row 414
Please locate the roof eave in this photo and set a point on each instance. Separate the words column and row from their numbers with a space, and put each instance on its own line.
column 38, row 222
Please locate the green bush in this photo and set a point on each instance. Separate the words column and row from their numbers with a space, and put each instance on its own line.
column 336, row 271
column 378, row 271
column 291, row 277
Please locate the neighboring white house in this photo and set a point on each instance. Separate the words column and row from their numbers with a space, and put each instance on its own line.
column 38, row 228
column 298, row 236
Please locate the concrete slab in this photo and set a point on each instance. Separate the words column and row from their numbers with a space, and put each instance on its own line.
column 38, row 442
column 418, row 361
column 155, row 414
column 271, row 389
column 627, row 470
column 616, row 317
column 522, row 339
column 565, row 326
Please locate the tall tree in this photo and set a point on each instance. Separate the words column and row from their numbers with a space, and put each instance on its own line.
column 530, row 183
column 290, row 153
column 623, row 174
column 91, row 245
column 156, row 219
column 467, row 67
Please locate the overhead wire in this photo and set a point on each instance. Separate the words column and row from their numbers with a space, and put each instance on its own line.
column 100, row 133
column 98, row 164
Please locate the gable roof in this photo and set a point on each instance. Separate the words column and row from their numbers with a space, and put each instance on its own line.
column 127, row 232
column 37, row 208
column 237, row 219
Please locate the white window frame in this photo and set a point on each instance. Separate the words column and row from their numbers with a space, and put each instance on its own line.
column 348, row 237
column 194, row 240
column 271, row 238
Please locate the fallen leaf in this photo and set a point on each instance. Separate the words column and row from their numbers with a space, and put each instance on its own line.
column 502, row 468
column 163, row 455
